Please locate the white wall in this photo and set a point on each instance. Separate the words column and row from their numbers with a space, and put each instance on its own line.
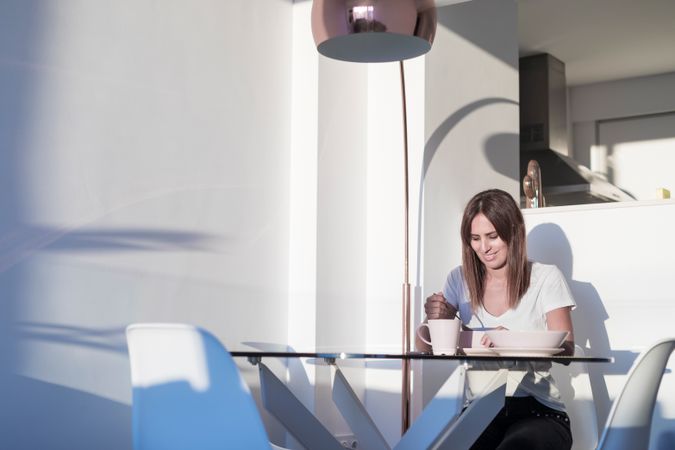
column 341, row 219
column 471, row 122
column 623, row 98
column 471, row 133
column 145, row 177
column 639, row 153
column 637, row 103
column 385, row 227
column 359, row 262
column 617, row 261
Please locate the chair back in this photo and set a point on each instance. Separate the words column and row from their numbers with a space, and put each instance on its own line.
column 188, row 392
column 629, row 422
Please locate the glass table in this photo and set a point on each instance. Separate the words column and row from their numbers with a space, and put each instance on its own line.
column 331, row 356
column 444, row 421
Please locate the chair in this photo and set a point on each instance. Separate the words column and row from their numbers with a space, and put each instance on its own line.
column 188, row 392
column 629, row 422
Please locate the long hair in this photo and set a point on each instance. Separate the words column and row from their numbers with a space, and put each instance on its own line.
column 503, row 212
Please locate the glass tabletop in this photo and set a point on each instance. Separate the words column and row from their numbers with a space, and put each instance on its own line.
column 332, row 355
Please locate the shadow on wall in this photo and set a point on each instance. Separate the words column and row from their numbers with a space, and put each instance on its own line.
column 666, row 439
column 22, row 28
column 59, row 416
column 37, row 414
column 547, row 243
column 109, row 339
column 433, row 144
column 498, row 155
column 26, row 240
column 484, row 24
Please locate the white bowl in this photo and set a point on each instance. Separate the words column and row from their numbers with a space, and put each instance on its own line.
column 470, row 338
column 527, row 339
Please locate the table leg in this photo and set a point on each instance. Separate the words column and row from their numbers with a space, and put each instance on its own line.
column 292, row 414
column 476, row 417
column 440, row 426
column 437, row 415
column 356, row 415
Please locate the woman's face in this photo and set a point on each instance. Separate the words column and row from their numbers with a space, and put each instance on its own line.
column 487, row 244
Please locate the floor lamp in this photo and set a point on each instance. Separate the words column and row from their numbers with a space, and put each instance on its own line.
column 381, row 31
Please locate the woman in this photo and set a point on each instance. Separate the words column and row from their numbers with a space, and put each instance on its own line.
column 497, row 287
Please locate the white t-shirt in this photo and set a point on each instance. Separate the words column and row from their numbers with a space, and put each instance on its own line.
column 548, row 291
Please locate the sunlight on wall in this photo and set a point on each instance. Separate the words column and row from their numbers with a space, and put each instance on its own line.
column 643, row 167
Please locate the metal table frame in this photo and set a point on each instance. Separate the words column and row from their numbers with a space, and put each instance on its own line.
column 439, row 424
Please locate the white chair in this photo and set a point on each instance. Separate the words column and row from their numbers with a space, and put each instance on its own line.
column 578, row 397
column 188, row 392
column 629, row 422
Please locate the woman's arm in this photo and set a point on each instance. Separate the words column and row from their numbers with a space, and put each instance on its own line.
column 560, row 319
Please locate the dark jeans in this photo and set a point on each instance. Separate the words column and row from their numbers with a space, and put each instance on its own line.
column 524, row 423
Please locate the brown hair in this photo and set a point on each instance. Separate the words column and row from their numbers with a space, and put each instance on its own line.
column 503, row 212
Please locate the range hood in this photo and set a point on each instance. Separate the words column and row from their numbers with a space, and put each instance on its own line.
column 543, row 137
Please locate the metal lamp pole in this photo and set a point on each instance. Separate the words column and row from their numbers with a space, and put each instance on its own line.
column 406, row 373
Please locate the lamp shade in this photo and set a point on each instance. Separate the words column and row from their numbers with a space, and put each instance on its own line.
column 373, row 30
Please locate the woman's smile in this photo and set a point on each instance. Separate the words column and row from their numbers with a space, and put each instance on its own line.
column 487, row 244
column 490, row 256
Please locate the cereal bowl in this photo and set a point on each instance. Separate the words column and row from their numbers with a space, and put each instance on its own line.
column 527, row 339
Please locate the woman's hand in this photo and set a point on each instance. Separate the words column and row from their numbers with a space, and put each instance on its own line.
column 485, row 340
column 437, row 307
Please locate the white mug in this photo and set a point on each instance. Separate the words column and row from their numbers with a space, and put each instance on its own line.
column 444, row 335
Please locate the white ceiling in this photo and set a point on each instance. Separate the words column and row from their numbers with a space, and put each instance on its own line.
column 600, row 40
